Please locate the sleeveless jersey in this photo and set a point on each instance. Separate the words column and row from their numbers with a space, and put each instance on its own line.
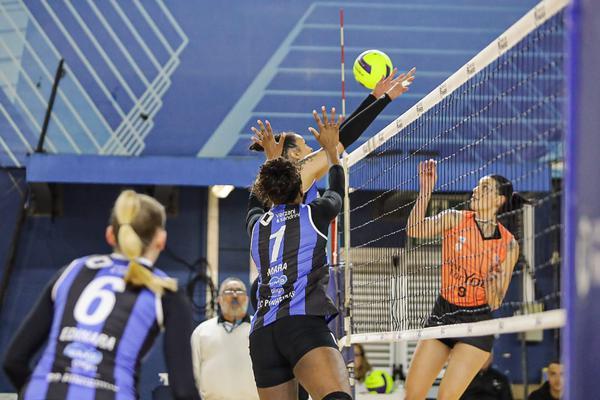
column 467, row 257
column 100, row 331
column 311, row 194
column 289, row 253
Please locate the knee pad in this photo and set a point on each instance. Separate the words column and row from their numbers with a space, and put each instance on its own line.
column 338, row 396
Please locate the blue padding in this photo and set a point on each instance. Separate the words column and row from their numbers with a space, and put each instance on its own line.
column 150, row 170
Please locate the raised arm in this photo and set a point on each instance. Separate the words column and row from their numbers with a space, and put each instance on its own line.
column 387, row 89
column 314, row 166
column 328, row 206
column 418, row 225
column 499, row 276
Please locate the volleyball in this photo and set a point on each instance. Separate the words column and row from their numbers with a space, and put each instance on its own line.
column 379, row 381
column 370, row 66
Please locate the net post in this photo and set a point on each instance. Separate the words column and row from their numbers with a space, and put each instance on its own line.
column 347, row 264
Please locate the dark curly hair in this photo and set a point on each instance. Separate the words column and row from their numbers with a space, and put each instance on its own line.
column 279, row 181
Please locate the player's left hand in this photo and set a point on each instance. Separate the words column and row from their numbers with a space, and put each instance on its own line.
column 394, row 86
column 264, row 137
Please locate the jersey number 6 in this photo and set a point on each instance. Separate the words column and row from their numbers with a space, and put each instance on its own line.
column 101, row 293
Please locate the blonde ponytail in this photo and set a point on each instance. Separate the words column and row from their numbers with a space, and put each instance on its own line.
column 127, row 208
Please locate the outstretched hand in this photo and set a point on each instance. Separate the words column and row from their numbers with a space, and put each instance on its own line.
column 328, row 134
column 265, row 138
column 394, row 86
column 427, row 176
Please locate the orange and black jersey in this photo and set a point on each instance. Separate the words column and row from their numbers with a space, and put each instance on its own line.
column 467, row 258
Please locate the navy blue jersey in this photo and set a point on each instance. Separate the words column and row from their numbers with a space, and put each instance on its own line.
column 289, row 252
column 311, row 194
column 101, row 329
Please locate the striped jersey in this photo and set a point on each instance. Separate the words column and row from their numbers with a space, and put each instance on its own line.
column 311, row 194
column 101, row 329
column 467, row 258
column 290, row 254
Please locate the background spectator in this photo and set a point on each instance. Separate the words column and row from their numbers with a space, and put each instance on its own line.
column 222, row 366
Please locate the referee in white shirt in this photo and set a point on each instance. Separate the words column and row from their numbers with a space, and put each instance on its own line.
column 222, row 366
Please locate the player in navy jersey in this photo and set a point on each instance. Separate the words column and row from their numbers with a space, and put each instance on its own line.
column 101, row 314
column 314, row 164
column 290, row 337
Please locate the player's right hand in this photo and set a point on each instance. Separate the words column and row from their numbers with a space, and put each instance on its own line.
column 427, row 176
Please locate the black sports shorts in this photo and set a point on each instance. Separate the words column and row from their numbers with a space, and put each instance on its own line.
column 276, row 348
column 446, row 313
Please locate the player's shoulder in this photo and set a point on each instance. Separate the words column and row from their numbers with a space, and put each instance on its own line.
column 452, row 218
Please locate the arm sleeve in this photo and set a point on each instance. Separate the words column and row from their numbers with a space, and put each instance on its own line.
column 255, row 211
column 328, row 206
column 177, row 348
column 29, row 338
column 358, row 122
column 370, row 99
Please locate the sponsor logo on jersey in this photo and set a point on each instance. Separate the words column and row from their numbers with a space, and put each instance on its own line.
column 278, row 280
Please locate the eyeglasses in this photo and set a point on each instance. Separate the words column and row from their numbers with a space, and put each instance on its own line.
column 231, row 292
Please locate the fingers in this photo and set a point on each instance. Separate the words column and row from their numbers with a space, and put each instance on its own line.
column 317, row 119
column 327, row 120
column 258, row 133
column 391, row 75
column 269, row 129
column 261, row 125
column 314, row 132
column 324, row 112
column 427, row 167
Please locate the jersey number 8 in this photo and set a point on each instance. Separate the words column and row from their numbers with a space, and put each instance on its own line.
column 101, row 293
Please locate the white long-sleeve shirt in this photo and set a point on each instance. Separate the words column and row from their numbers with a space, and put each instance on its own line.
column 222, row 365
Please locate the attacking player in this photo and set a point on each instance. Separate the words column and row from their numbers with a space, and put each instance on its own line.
column 478, row 257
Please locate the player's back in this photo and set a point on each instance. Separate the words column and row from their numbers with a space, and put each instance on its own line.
column 100, row 331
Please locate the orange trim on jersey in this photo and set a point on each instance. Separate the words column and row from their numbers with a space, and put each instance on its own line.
column 466, row 260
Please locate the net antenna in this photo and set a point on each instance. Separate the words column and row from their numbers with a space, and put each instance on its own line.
column 501, row 113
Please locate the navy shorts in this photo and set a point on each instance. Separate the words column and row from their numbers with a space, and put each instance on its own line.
column 276, row 348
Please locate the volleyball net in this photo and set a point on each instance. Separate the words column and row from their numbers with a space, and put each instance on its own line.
column 501, row 113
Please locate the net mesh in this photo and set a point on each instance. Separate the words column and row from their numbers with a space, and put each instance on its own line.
column 506, row 119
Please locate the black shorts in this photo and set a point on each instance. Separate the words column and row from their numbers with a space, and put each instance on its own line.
column 276, row 348
column 446, row 313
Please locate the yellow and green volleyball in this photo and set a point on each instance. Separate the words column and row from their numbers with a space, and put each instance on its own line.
column 370, row 66
column 378, row 381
